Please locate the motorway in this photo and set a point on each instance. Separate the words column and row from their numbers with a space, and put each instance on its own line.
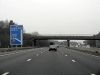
column 40, row 61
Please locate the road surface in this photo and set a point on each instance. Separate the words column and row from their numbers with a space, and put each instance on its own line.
column 42, row 62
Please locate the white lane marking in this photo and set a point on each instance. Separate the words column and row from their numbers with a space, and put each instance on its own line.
column 66, row 55
column 6, row 73
column 37, row 54
column 93, row 74
column 89, row 54
column 86, row 53
column 94, row 55
column 28, row 59
column 1, row 55
column 15, row 53
column 73, row 61
column 7, row 54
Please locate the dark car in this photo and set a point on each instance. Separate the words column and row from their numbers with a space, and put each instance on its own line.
column 53, row 48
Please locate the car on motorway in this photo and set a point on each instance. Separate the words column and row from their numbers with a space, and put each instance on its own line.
column 53, row 48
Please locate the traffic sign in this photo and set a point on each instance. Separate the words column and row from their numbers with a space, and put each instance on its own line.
column 16, row 34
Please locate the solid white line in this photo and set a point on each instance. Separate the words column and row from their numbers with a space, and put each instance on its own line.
column 28, row 59
column 14, row 53
column 93, row 74
column 86, row 54
column 89, row 54
column 5, row 73
column 73, row 61
column 1, row 55
column 7, row 54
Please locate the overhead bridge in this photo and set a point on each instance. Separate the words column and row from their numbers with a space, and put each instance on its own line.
column 40, row 37
column 64, row 37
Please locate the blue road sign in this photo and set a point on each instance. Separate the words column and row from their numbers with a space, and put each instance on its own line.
column 16, row 34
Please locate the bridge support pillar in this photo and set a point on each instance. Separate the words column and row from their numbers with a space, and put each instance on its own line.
column 37, row 43
column 98, row 43
column 68, row 43
column 34, row 43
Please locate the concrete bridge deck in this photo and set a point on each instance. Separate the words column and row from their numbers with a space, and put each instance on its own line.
column 41, row 37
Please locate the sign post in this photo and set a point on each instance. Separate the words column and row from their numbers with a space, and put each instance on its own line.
column 16, row 35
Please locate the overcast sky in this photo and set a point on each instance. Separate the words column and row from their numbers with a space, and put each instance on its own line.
column 53, row 16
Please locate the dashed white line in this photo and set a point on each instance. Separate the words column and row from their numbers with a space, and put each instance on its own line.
column 28, row 59
column 6, row 73
column 17, row 52
column 73, row 61
column 37, row 54
column 93, row 74
column 66, row 55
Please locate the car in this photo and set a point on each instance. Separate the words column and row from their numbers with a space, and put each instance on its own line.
column 53, row 48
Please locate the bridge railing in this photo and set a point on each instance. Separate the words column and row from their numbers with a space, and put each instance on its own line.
column 66, row 34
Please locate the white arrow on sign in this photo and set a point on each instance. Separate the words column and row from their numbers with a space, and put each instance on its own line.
column 17, row 39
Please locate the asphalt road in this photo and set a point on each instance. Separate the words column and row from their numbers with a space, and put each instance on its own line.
column 42, row 62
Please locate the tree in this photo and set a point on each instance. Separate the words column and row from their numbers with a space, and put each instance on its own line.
column 27, row 39
column 92, row 43
column 35, row 33
column 4, row 33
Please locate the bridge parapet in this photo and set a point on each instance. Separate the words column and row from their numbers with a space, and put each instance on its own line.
column 41, row 37
column 67, row 35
